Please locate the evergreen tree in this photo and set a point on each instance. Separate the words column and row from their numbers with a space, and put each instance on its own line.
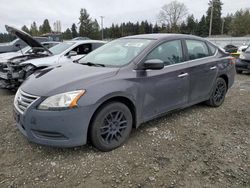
column 240, row 24
column 142, row 28
column 45, row 27
column 67, row 35
column 25, row 29
column 156, row 28
column 85, row 23
column 95, row 31
column 74, row 31
column 191, row 25
column 202, row 28
column 228, row 24
column 33, row 29
column 183, row 28
column 217, row 22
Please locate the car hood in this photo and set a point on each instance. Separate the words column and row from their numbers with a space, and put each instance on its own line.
column 9, row 55
column 26, row 38
column 45, row 61
column 64, row 78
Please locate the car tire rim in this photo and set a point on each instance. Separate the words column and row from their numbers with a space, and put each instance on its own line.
column 113, row 127
column 219, row 93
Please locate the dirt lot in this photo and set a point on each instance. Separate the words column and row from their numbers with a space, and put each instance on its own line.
column 196, row 147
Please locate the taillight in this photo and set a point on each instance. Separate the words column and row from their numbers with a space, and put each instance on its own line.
column 232, row 60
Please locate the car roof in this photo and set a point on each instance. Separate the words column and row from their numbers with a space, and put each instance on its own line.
column 163, row 36
column 86, row 41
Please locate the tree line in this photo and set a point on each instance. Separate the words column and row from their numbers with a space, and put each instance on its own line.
column 173, row 18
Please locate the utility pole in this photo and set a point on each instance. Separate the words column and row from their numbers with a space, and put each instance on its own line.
column 222, row 27
column 211, row 19
column 102, row 17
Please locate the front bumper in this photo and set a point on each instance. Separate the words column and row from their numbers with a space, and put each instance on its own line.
column 242, row 65
column 67, row 128
column 12, row 80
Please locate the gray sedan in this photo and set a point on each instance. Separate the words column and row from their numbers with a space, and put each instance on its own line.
column 119, row 86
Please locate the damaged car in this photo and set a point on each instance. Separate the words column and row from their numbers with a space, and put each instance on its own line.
column 15, row 70
column 26, row 50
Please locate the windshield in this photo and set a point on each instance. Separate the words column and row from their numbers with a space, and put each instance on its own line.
column 61, row 47
column 25, row 49
column 117, row 53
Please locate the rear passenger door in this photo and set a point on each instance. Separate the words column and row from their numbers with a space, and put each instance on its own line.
column 202, row 69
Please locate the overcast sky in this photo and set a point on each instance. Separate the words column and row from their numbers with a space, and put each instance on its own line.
column 23, row 12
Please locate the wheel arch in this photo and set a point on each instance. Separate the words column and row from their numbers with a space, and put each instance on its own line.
column 225, row 77
column 122, row 99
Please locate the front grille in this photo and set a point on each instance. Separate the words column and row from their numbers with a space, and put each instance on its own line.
column 24, row 100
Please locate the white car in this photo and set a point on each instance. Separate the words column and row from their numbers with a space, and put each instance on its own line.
column 67, row 51
column 13, row 71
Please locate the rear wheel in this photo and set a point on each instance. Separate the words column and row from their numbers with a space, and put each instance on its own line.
column 218, row 94
column 111, row 126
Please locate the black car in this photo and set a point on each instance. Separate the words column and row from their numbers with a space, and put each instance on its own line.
column 119, row 86
column 243, row 62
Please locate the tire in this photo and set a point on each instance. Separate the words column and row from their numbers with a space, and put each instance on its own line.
column 111, row 126
column 239, row 71
column 219, row 93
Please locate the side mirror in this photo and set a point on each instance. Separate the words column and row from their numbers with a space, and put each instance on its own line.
column 243, row 50
column 153, row 64
column 72, row 53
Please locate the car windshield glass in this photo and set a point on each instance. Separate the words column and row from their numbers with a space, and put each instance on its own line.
column 61, row 47
column 117, row 53
column 248, row 49
column 25, row 49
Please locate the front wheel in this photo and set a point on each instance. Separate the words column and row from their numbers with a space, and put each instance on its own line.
column 218, row 94
column 111, row 126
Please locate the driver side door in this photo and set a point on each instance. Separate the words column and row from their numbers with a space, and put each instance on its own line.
column 168, row 88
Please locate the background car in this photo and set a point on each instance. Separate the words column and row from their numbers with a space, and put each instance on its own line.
column 26, row 50
column 243, row 62
column 18, row 43
column 230, row 48
column 119, row 86
column 15, row 70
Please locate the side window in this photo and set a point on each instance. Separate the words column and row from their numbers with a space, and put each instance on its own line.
column 96, row 45
column 212, row 48
column 196, row 49
column 169, row 52
column 83, row 49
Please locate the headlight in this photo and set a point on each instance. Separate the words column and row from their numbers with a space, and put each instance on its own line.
column 242, row 56
column 62, row 101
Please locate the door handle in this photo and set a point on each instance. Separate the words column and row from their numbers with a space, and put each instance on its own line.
column 213, row 68
column 183, row 75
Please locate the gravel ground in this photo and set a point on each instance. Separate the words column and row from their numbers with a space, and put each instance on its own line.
column 196, row 147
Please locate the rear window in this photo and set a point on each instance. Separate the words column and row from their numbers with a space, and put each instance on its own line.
column 197, row 49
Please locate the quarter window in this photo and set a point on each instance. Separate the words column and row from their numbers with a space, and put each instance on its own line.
column 169, row 52
column 196, row 49
column 212, row 48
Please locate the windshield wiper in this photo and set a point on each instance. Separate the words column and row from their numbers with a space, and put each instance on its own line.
column 93, row 64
